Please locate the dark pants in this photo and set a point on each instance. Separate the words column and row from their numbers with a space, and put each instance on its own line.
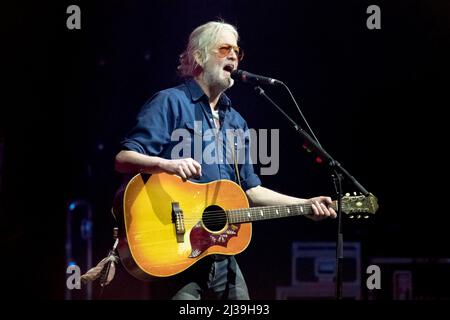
column 210, row 278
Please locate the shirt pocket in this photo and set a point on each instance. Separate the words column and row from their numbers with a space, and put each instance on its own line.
column 193, row 140
column 194, row 130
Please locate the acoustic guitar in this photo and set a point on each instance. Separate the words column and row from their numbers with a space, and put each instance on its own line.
column 168, row 224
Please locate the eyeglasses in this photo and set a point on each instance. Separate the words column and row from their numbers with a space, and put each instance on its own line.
column 225, row 49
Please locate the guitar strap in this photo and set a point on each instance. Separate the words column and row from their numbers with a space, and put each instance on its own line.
column 236, row 169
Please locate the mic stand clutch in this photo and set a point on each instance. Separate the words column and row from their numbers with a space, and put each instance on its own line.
column 338, row 172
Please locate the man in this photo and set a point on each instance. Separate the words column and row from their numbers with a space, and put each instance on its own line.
column 211, row 54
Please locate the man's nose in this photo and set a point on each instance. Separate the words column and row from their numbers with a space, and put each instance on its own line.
column 232, row 55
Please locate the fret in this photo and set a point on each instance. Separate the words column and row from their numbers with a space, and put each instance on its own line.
column 265, row 213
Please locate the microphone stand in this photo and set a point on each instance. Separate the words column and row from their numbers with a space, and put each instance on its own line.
column 338, row 173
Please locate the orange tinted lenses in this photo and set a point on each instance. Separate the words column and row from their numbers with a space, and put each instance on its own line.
column 224, row 51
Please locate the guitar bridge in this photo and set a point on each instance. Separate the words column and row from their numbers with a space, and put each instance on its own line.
column 178, row 220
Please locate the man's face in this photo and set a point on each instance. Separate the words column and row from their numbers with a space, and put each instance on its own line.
column 217, row 70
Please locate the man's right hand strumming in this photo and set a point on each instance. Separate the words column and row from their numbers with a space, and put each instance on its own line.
column 132, row 162
column 185, row 168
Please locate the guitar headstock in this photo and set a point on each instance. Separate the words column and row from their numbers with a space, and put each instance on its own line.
column 359, row 206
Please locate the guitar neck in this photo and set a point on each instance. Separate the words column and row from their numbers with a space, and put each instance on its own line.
column 269, row 212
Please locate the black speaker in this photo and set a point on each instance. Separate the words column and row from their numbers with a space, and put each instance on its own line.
column 316, row 262
column 314, row 269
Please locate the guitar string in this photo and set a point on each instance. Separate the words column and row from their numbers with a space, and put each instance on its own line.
column 254, row 216
column 209, row 224
column 219, row 219
column 252, row 211
column 218, row 214
column 266, row 209
column 165, row 228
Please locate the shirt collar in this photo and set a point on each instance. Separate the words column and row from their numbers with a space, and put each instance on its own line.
column 197, row 93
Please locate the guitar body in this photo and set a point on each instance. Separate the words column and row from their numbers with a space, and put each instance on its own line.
column 169, row 224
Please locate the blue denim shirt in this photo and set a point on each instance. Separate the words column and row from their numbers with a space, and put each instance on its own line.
column 178, row 123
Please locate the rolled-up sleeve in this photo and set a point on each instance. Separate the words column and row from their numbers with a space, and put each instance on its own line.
column 154, row 124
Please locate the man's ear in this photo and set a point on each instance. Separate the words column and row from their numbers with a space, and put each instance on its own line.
column 198, row 59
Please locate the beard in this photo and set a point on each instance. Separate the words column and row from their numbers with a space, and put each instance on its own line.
column 213, row 79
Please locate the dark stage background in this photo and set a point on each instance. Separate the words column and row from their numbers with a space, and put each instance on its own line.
column 375, row 99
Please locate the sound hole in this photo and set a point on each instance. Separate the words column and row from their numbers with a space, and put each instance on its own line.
column 214, row 218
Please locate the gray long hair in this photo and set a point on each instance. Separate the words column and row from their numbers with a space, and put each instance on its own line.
column 201, row 41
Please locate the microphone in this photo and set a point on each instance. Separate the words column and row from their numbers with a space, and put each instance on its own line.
column 244, row 76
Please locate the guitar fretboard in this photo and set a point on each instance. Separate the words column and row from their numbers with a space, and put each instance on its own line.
column 265, row 213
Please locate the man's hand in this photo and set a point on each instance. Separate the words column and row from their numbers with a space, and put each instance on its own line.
column 321, row 208
column 185, row 168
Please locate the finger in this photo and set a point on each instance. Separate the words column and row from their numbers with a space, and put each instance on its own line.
column 319, row 209
column 316, row 216
column 181, row 172
column 198, row 167
column 315, row 211
column 328, row 200
column 186, row 170
column 325, row 210
column 333, row 213
column 192, row 168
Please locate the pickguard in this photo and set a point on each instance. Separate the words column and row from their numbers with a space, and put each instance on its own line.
column 201, row 239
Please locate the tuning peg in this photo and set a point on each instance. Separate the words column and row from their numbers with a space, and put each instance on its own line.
column 347, row 194
column 365, row 217
column 352, row 216
column 359, row 216
column 354, row 193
